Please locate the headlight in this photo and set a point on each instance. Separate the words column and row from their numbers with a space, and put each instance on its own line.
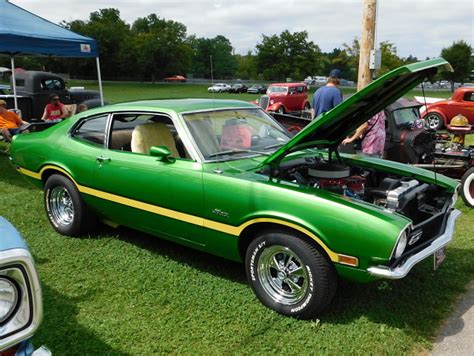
column 402, row 243
column 8, row 298
column 272, row 102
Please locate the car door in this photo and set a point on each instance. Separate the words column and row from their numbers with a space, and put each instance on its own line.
column 141, row 191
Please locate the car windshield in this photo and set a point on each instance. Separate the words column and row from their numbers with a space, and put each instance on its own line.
column 277, row 89
column 406, row 116
column 237, row 133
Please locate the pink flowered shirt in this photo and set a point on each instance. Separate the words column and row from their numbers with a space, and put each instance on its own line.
column 373, row 143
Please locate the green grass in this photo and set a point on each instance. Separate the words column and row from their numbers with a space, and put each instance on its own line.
column 120, row 92
column 124, row 292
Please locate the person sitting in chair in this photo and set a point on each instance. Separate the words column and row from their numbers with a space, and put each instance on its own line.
column 55, row 110
column 9, row 122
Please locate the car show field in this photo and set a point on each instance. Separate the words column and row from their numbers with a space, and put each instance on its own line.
column 203, row 303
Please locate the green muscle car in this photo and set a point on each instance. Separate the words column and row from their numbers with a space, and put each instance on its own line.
column 223, row 177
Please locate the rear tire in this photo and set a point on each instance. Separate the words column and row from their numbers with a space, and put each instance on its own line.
column 467, row 187
column 65, row 208
column 289, row 275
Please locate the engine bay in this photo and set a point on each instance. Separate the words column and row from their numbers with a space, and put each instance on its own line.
column 405, row 195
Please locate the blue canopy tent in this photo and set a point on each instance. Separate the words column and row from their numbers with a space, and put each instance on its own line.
column 23, row 33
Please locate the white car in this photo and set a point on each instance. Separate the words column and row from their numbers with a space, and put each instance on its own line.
column 219, row 88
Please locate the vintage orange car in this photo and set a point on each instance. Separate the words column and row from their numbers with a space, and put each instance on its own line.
column 440, row 113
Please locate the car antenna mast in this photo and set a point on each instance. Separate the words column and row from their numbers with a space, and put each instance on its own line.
column 426, row 109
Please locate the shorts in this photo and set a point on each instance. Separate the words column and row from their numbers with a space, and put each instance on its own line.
column 14, row 131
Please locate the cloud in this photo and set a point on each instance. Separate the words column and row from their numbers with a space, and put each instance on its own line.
column 420, row 28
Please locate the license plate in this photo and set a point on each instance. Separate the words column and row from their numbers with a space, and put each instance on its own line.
column 438, row 258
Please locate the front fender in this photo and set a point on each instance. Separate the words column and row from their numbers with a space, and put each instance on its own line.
column 275, row 107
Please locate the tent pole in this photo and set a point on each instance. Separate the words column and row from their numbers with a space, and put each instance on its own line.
column 12, row 59
column 100, row 82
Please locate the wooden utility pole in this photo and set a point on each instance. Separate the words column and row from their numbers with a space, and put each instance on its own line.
column 367, row 43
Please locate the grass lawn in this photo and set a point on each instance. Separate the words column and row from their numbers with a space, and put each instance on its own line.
column 124, row 292
column 119, row 92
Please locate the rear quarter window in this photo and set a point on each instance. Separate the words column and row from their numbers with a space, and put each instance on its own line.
column 92, row 130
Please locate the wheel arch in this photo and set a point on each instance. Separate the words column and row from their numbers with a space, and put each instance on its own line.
column 437, row 111
column 251, row 231
column 49, row 169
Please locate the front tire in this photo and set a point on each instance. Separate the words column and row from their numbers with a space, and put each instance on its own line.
column 434, row 120
column 289, row 275
column 467, row 187
column 66, row 210
column 281, row 110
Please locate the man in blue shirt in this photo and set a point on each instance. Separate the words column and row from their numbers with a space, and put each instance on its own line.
column 328, row 96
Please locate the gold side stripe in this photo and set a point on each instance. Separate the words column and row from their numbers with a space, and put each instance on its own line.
column 28, row 173
column 210, row 224
column 142, row 206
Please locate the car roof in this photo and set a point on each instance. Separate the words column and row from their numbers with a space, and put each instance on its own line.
column 286, row 84
column 180, row 105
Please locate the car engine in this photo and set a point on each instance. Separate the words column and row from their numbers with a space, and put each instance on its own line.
column 404, row 195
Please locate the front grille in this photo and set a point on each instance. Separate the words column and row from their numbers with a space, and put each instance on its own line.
column 425, row 231
column 264, row 102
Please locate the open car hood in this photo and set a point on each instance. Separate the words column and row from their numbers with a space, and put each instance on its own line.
column 335, row 125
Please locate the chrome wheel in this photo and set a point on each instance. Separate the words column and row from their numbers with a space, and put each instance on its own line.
column 282, row 274
column 434, row 121
column 61, row 206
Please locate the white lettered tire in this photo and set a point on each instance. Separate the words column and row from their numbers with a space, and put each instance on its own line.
column 290, row 275
column 66, row 210
column 467, row 187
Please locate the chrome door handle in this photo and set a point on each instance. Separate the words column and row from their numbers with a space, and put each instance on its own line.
column 102, row 159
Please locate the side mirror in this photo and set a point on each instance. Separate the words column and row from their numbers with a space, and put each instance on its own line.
column 162, row 152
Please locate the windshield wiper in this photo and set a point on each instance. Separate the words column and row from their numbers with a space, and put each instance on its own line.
column 235, row 151
column 274, row 145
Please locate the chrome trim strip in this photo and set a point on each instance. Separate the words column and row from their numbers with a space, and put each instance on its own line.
column 402, row 270
column 23, row 257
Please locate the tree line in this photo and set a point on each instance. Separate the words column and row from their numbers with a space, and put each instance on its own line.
column 153, row 48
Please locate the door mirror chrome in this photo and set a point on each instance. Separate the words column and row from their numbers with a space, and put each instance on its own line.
column 163, row 153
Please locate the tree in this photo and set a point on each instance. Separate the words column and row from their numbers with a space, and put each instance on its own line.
column 159, row 47
column 246, row 66
column 224, row 63
column 289, row 55
column 459, row 55
column 390, row 59
column 112, row 35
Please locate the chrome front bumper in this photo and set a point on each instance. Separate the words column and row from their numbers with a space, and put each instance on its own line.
column 402, row 270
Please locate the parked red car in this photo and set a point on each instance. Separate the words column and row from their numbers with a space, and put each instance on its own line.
column 175, row 79
column 285, row 98
column 440, row 113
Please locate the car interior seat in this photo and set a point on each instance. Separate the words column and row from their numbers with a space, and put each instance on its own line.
column 153, row 134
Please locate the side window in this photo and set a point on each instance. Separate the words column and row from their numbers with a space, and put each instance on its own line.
column 92, row 130
column 137, row 133
column 469, row 97
column 292, row 90
column 300, row 89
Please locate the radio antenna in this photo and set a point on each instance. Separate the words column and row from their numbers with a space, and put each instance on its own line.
column 426, row 110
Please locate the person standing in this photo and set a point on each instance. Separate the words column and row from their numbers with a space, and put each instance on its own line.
column 372, row 133
column 55, row 110
column 328, row 96
column 9, row 122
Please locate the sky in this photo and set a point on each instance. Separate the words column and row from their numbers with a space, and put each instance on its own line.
column 421, row 28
